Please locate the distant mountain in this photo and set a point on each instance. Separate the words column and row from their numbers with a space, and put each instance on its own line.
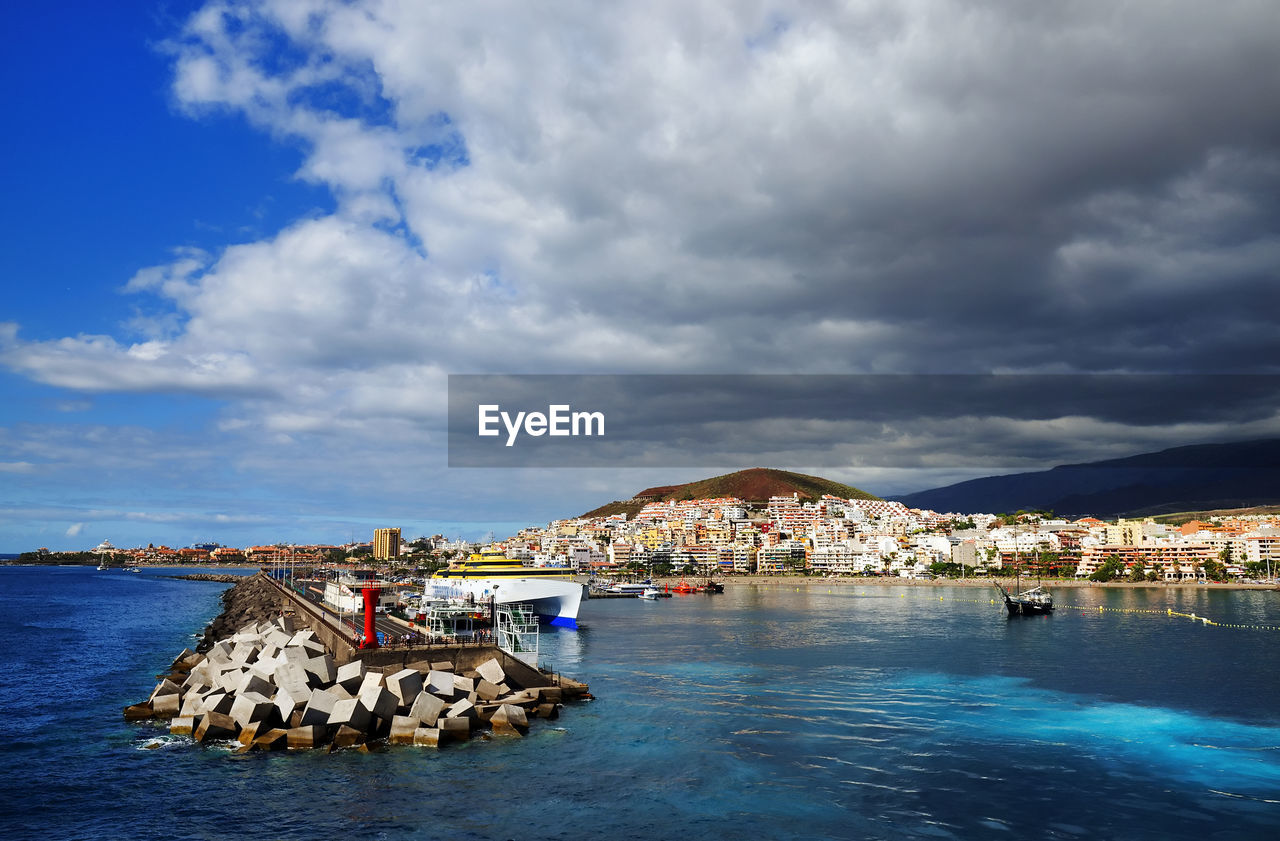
column 754, row 485
column 1198, row 477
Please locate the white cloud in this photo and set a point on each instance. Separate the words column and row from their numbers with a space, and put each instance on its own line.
column 75, row 529
column 701, row 186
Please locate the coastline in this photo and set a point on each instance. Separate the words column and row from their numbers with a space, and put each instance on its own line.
column 878, row 581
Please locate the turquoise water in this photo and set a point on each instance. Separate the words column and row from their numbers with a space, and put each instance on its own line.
column 767, row 712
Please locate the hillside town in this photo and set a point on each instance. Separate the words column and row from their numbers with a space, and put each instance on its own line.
column 828, row 536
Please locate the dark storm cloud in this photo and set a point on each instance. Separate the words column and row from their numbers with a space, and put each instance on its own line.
column 876, row 421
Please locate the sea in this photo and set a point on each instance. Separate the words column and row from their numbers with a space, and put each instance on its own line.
column 777, row 710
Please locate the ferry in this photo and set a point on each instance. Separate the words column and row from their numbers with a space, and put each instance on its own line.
column 552, row 592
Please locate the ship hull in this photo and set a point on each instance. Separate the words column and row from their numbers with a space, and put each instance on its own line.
column 556, row 601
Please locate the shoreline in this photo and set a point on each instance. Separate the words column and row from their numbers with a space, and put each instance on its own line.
column 1051, row 583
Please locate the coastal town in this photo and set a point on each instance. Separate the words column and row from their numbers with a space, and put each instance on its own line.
column 826, row 536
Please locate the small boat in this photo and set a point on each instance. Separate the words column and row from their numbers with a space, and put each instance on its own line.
column 710, row 586
column 132, row 569
column 650, row 594
column 1031, row 602
column 1034, row 602
column 102, row 567
column 684, row 588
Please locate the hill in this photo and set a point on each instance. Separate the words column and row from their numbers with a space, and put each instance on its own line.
column 754, row 485
column 1194, row 478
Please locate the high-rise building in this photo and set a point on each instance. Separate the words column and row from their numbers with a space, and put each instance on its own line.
column 386, row 544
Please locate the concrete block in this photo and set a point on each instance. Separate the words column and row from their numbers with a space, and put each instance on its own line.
column 440, row 683
column 249, row 732
column 406, row 685
column 286, row 624
column 245, row 652
column 380, row 702
column 350, row 714
column 201, row 675
column 138, row 712
column 220, row 652
column 461, row 709
column 277, row 738
column 427, row 737
column 276, row 638
column 512, row 715
column 442, row 666
column 319, row 707
column 287, row 702
column 183, row 725
column 549, row 711
column 464, row 685
column 338, row 691
column 258, row 682
column 348, row 737
column 350, row 676
column 295, row 654
column 218, row 702
column 215, row 726
column 426, row 708
column 167, row 706
column 504, row 688
column 293, row 678
column 251, row 707
column 485, row 690
column 229, row 677
column 268, row 658
column 192, row 704
column 491, row 670
column 372, row 679
column 403, row 728
column 455, row 728
column 321, row 670
column 307, row 640
column 164, row 687
column 306, row 736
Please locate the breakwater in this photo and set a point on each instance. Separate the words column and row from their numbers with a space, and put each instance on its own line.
column 262, row 678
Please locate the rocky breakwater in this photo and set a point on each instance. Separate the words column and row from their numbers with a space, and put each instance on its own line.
column 252, row 599
column 271, row 686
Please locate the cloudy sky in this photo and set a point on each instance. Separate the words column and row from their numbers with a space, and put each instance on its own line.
column 247, row 242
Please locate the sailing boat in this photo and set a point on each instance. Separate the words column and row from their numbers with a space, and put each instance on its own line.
column 1021, row 602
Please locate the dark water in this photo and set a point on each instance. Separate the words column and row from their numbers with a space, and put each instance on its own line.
column 768, row 712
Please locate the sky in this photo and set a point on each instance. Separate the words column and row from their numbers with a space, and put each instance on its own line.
column 246, row 243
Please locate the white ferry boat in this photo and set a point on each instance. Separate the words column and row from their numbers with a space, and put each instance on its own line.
column 552, row 592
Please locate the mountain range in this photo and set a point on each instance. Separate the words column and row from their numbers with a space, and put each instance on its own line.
column 1191, row 478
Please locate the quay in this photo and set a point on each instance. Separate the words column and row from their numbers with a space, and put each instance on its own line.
column 272, row 672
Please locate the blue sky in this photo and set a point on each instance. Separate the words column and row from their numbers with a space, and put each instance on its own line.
column 246, row 242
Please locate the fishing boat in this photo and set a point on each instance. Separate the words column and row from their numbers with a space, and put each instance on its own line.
column 552, row 592
column 710, row 586
column 1033, row 602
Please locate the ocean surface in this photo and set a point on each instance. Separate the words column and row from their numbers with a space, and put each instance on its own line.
column 772, row 711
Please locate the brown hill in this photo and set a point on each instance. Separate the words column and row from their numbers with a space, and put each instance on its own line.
column 754, row 485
